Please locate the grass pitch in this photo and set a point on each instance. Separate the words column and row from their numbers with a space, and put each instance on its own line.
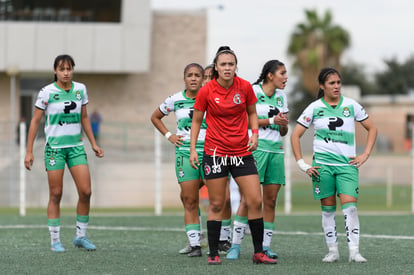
column 146, row 244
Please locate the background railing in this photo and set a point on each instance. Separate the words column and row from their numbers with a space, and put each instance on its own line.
column 130, row 176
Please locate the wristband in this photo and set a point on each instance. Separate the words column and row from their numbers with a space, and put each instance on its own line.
column 303, row 165
column 255, row 131
column 271, row 120
column 167, row 135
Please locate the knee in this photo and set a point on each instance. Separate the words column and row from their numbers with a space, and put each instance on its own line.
column 189, row 202
column 55, row 196
column 216, row 207
column 85, row 195
column 254, row 203
column 269, row 203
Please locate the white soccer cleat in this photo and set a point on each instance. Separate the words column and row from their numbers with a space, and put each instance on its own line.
column 357, row 258
column 331, row 257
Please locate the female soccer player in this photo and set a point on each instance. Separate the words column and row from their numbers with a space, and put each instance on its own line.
column 190, row 179
column 334, row 170
column 271, row 108
column 225, row 232
column 229, row 102
column 64, row 105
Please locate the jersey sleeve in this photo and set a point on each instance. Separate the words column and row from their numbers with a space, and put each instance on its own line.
column 250, row 95
column 85, row 99
column 360, row 113
column 201, row 99
column 285, row 105
column 42, row 99
column 306, row 118
column 167, row 106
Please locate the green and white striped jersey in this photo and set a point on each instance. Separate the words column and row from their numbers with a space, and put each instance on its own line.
column 334, row 140
column 182, row 106
column 63, row 114
column 270, row 139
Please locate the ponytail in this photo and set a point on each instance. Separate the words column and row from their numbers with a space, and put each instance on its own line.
column 220, row 51
column 269, row 67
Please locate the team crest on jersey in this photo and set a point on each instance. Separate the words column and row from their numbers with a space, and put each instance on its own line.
column 279, row 102
column 317, row 190
column 346, row 112
column 181, row 173
column 52, row 161
column 78, row 95
column 236, row 99
column 207, row 169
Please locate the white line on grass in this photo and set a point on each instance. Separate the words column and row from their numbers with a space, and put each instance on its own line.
column 134, row 228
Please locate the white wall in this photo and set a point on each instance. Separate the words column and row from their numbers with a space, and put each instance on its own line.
column 96, row 47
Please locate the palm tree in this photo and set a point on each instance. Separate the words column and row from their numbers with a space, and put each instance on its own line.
column 315, row 44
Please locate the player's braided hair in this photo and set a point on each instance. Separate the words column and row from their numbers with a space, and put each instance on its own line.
column 270, row 67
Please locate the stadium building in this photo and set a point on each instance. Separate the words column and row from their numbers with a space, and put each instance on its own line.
column 130, row 58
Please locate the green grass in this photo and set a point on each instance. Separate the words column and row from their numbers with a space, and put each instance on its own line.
column 372, row 197
column 145, row 244
column 133, row 241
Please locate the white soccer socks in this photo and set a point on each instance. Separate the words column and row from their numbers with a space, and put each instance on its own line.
column 329, row 230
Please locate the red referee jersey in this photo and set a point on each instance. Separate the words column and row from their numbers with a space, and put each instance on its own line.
column 226, row 116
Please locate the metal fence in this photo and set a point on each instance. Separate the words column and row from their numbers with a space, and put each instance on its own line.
column 127, row 175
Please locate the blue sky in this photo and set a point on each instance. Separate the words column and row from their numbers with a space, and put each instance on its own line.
column 259, row 30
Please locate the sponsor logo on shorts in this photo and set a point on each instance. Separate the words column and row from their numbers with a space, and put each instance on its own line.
column 207, row 169
column 317, row 190
column 181, row 173
column 52, row 161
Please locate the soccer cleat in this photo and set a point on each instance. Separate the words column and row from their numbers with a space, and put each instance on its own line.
column 357, row 258
column 214, row 260
column 203, row 241
column 223, row 247
column 270, row 253
column 83, row 242
column 185, row 250
column 331, row 257
column 57, row 247
column 234, row 252
column 195, row 251
column 262, row 258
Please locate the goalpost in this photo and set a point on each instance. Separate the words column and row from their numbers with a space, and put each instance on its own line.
column 412, row 168
column 22, row 181
column 158, row 173
column 288, row 173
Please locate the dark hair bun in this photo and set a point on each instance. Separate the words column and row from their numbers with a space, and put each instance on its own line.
column 223, row 48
